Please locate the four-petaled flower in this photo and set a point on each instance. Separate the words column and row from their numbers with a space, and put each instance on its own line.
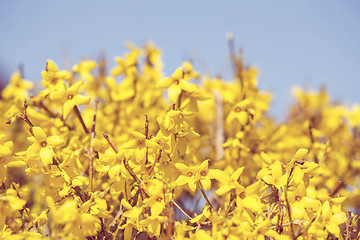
column 70, row 97
column 176, row 84
column 43, row 145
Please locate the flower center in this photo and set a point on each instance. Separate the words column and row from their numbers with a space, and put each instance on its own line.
column 43, row 144
column 2, row 159
column 159, row 199
column 189, row 174
column 70, row 96
column 203, row 173
column 237, row 109
column 141, row 143
column 176, row 82
column 242, row 195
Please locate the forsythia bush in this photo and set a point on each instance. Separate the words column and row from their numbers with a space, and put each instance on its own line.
column 136, row 155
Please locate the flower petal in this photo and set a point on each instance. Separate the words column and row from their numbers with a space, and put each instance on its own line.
column 300, row 154
column 81, row 100
column 178, row 74
column 235, row 176
column 4, row 151
column 55, row 141
column 46, row 155
column 223, row 189
column 164, row 83
column 74, row 89
column 192, row 186
column 16, row 164
column 39, row 134
column 206, row 183
column 151, row 144
column 68, row 107
column 174, row 93
column 156, row 208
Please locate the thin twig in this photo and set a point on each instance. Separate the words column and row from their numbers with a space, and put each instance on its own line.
column 24, row 117
column 50, row 113
column 158, row 156
column 170, row 223
column 147, row 137
column 92, row 154
column 231, row 45
column 218, row 126
column 127, row 166
column 118, row 214
column 323, row 155
column 110, row 142
column 306, row 229
column 146, row 127
column 336, row 188
column 78, row 114
column 204, row 195
column 287, row 202
column 181, row 210
column 232, row 201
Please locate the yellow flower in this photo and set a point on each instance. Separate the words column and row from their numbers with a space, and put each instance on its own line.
column 176, row 84
column 74, row 223
column 6, row 158
column 228, row 182
column 140, row 144
column 52, row 76
column 127, row 65
column 156, row 202
column 332, row 220
column 10, row 205
column 194, row 174
column 273, row 175
column 84, row 69
column 70, row 97
column 241, row 112
column 17, row 87
column 153, row 224
column 43, row 145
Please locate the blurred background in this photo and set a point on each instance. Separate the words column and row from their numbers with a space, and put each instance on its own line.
column 306, row 43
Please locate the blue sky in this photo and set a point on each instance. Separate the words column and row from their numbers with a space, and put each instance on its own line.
column 306, row 43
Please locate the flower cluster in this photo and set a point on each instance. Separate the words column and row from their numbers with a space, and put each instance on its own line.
column 132, row 154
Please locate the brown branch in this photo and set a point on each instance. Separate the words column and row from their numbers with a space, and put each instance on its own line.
column 155, row 161
column 170, row 223
column 146, row 127
column 204, row 195
column 24, row 117
column 126, row 165
column 110, row 142
column 287, row 202
column 78, row 114
column 118, row 214
column 50, row 113
column 147, row 137
column 336, row 188
column 91, row 164
column 181, row 210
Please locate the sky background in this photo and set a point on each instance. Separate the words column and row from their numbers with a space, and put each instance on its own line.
column 306, row 43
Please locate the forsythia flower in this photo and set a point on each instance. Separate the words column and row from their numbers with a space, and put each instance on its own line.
column 176, row 84
column 43, row 145
column 212, row 164
column 70, row 97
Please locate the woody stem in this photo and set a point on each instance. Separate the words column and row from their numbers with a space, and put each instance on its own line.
column 91, row 164
column 204, row 195
column 78, row 114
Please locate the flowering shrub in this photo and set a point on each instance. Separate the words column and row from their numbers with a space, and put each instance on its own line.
column 136, row 155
